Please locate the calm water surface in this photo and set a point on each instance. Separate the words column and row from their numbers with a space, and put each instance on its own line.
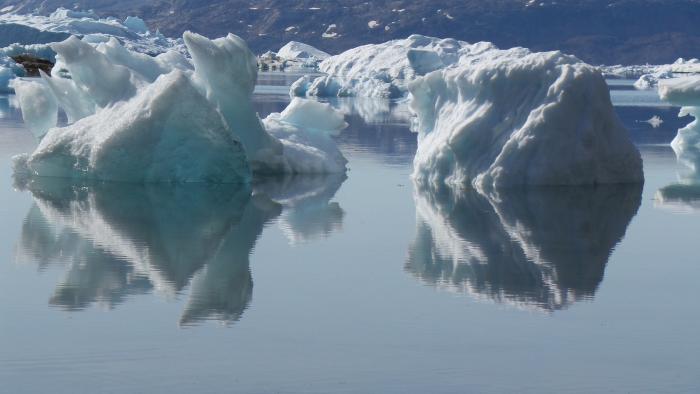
column 353, row 284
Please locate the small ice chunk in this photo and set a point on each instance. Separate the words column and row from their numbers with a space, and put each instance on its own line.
column 655, row 121
column 136, row 24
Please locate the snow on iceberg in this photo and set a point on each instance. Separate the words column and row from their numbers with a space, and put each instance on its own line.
column 512, row 117
column 542, row 248
column 142, row 119
column 383, row 70
column 294, row 50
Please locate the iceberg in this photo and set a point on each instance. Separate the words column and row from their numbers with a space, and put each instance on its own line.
column 384, row 70
column 141, row 119
column 40, row 29
column 167, row 133
column 298, row 51
column 684, row 195
column 28, row 34
column 543, row 248
column 512, row 117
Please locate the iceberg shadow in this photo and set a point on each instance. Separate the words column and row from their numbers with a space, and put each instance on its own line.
column 541, row 248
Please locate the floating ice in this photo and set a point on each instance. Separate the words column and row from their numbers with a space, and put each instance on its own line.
column 294, row 50
column 383, row 70
column 650, row 81
column 143, row 119
column 132, row 32
column 511, row 117
column 655, row 121
column 684, row 195
column 167, row 133
column 30, row 34
column 543, row 248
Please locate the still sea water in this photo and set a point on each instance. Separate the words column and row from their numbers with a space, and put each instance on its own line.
column 353, row 284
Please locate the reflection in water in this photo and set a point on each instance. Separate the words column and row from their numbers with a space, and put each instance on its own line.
column 685, row 194
column 542, row 248
column 118, row 240
column 308, row 212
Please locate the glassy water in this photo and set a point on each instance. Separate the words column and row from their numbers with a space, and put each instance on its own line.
column 353, row 284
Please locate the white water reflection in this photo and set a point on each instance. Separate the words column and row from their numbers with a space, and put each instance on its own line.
column 542, row 248
column 119, row 240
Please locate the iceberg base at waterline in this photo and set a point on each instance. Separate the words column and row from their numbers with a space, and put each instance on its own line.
column 157, row 120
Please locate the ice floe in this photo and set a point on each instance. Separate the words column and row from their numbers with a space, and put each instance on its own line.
column 383, row 70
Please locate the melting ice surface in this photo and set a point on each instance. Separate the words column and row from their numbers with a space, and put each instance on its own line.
column 357, row 284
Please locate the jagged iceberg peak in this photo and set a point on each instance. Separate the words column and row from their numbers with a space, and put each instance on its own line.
column 140, row 119
column 510, row 118
column 227, row 70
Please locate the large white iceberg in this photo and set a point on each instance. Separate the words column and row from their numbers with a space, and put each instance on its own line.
column 512, row 117
column 383, row 70
column 143, row 119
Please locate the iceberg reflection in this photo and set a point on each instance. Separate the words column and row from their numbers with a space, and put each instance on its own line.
column 685, row 194
column 539, row 248
column 119, row 240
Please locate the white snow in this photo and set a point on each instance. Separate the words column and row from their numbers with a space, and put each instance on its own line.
column 511, row 117
column 650, row 81
column 144, row 119
column 383, row 70
column 330, row 31
column 37, row 30
column 132, row 32
column 684, row 195
column 298, row 51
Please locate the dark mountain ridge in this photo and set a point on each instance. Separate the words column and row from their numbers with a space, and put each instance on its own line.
column 597, row 31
